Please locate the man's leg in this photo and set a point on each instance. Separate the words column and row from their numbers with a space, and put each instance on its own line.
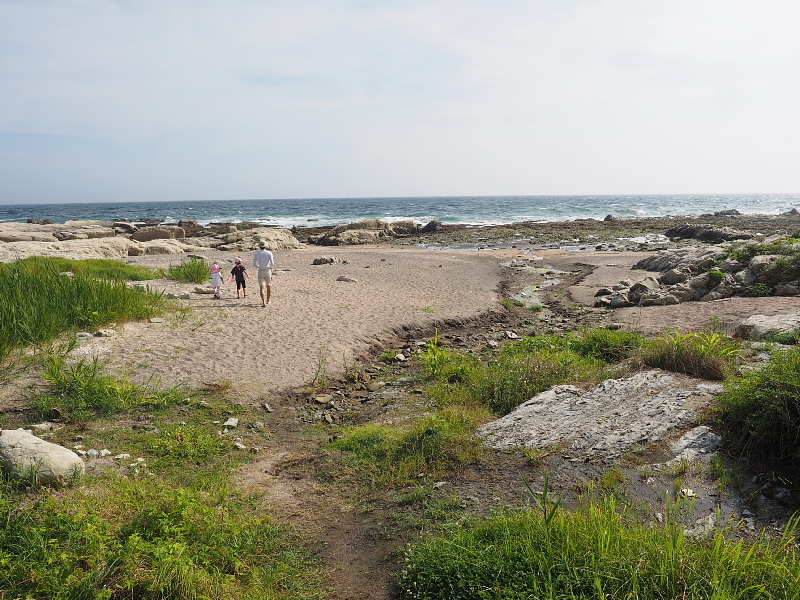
column 261, row 291
column 269, row 293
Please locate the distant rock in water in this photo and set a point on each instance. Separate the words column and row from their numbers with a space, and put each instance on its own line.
column 731, row 212
column 40, row 221
column 370, row 232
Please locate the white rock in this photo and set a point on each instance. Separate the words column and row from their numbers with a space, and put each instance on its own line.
column 23, row 454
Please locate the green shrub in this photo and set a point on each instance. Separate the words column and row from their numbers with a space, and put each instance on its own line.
column 715, row 277
column 598, row 551
column 194, row 270
column 761, row 408
column 706, row 354
column 759, row 290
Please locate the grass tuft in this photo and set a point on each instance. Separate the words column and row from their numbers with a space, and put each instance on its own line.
column 194, row 270
column 706, row 354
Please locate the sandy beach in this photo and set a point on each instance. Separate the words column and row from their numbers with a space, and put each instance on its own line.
column 316, row 321
column 312, row 316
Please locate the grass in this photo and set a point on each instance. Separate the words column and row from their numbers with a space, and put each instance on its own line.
column 601, row 550
column 143, row 538
column 432, row 445
column 38, row 304
column 785, row 268
column 789, row 338
column 761, row 408
column 82, row 391
column 525, row 368
column 194, row 270
column 111, row 270
column 707, row 354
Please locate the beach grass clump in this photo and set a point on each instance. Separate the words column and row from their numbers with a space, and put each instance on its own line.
column 82, row 390
column 605, row 344
column 39, row 303
column 600, row 550
column 707, row 354
column 433, row 445
column 99, row 268
column 144, row 538
column 177, row 443
column 194, row 270
column 761, row 408
column 785, row 268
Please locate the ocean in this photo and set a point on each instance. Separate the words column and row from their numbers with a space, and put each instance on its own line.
column 478, row 210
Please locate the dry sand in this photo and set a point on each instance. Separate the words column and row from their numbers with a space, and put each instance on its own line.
column 314, row 318
column 311, row 316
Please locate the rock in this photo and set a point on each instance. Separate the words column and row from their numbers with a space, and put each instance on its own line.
column 46, row 426
column 105, row 333
column 658, row 298
column 648, row 284
column 23, row 455
column 156, row 320
column 746, row 277
column 231, row 423
column 204, row 290
column 346, row 279
column 790, row 213
column 366, row 232
column 758, row 264
column 603, row 292
column 787, row 289
column 325, row 260
column 729, row 265
column 323, row 398
column 604, row 422
column 374, row 386
column 707, row 233
column 609, row 218
column 757, row 327
column 731, row 212
column 161, row 232
column 694, row 444
column 694, row 258
column 431, row 227
column 239, row 446
column 673, row 276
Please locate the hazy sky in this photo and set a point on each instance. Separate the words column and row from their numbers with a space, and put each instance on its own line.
column 151, row 100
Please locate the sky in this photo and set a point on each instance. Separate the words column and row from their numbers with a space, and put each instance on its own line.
column 150, row 100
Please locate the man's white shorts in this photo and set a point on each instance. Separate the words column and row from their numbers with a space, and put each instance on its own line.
column 265, row 277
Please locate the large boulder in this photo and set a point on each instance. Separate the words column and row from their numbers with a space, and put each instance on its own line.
column 25, row 456
column 757, row 327
column 604, row 422
column 370, row 232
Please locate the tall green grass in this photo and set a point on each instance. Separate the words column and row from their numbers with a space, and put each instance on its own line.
column 144, row 539
column 99, row 268
column 706, row 354
column 37, row 304
column 761, row 408
column 194, row 270
column 597, row 552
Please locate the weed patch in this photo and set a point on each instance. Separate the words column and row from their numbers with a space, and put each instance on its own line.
column 194, row 270
column 706, row 354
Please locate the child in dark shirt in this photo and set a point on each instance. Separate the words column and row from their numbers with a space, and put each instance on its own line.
column 239, row 273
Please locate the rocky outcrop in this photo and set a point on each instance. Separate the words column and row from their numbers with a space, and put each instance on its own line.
column 707, row 233
column 25, row 456
column 370, row 232
column 759, row 327
column 606, row 421
column 160, row 232
column 119, row 239
column 698, row 274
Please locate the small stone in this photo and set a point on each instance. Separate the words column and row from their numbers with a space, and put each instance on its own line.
column 255, row 450
column 92, row 453
column 266, row 407
column 122, row 456
column 323, row 398
column 239, row 446
column 231, row 422
column 400, row 357
column 511, row 335
column 374, row 386
column 156, row 320
column 346, row 279
column 84, row 335
column 105, row 452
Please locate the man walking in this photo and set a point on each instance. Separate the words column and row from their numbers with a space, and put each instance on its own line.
column 264, row 262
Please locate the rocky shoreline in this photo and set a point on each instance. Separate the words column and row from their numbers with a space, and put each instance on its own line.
column 118, row 239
